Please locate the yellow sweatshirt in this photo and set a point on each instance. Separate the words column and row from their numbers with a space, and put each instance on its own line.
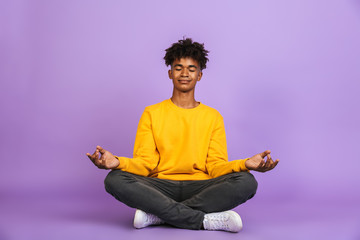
column 180, row 144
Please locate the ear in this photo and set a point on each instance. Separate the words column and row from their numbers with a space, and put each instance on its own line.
column 200, row 76
column 170, row 74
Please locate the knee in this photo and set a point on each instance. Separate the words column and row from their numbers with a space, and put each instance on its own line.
column 246, row 184
column 250, row 181
column 113, row 180
column 109, row 181
column 251, row 184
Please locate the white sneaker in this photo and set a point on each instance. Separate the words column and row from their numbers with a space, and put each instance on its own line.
column 143, row 219
column 227, row 221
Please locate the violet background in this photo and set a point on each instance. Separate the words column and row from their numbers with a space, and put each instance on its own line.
column 285, row 75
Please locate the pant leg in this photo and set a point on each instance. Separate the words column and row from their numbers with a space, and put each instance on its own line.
column 220, row 194
column 154, row 196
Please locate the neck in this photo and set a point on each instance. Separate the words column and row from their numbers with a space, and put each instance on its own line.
column 184, row 99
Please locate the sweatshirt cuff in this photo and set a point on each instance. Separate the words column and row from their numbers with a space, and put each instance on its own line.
column 122, row 162
column 242, row 165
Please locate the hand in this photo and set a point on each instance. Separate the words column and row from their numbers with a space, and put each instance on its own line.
column 257, row 162
column 106, row 161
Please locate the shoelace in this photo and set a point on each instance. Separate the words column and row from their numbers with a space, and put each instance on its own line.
column 153, row 219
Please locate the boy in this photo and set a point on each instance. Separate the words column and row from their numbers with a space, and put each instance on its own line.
column 180, row 173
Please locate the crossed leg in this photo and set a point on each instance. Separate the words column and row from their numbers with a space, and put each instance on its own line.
column 181, row 203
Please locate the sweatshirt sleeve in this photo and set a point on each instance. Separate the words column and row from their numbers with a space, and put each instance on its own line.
column 217, row 163
column 146, row 155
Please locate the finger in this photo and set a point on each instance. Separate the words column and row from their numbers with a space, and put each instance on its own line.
column 103, row 156
column 269, row 161
column 97, row 154
column 267, row 164
column 93, row 155
column 263, row 154
column 100, row 149
column 94, row 151
column 90, row 157
column 275, row 163
column 261, row 165
column 99, row 163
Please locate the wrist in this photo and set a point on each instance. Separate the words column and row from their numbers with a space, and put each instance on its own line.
column 247, row 164
column 118, row 163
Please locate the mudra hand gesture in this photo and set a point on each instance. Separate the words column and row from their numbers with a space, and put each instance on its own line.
column 106, row 161
column 258, row 163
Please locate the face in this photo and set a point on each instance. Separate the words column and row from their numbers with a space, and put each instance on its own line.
column 185, row 73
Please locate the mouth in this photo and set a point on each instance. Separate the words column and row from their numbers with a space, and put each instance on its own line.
column 184, row 81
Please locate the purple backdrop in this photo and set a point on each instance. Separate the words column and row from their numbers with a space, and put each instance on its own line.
column 74, row 74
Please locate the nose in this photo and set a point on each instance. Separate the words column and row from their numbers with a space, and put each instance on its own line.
column 185, row 72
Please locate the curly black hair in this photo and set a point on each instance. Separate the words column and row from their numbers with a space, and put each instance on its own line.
column 187, row 48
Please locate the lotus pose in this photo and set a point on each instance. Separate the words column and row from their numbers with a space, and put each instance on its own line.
column 180, row 173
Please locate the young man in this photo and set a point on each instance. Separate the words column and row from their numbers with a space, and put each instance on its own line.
column 180, row 173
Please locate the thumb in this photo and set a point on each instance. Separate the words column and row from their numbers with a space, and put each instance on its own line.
column 101, row 150
column 263, row 154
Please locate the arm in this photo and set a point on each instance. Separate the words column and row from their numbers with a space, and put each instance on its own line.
column 145, row 158
column 217, row 163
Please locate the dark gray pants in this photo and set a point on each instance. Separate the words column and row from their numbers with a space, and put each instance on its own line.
column 181, row 203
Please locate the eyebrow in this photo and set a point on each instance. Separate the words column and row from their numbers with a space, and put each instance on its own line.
column 180, row 65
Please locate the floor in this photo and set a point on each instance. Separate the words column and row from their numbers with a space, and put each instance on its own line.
column 43, row 217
